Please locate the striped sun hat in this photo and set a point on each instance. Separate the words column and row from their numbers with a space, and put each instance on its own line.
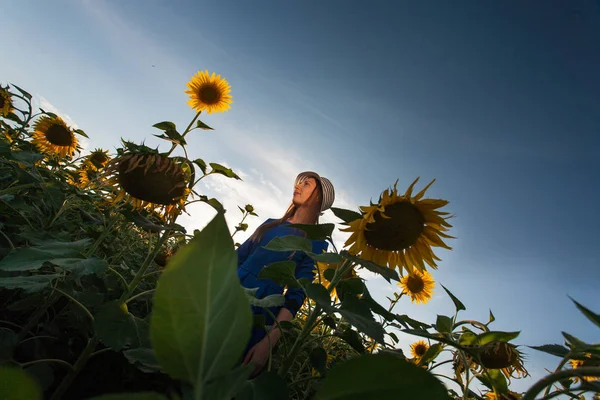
column 328, row 192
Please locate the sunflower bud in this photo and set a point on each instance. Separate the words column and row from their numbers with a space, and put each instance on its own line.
column 249, row 208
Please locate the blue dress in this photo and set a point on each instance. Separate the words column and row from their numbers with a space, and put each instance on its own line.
column 253, row 257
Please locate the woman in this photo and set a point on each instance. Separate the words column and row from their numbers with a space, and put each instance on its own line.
column 313, row 194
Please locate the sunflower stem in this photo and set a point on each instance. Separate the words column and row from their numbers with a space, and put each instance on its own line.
column 289, row 360
column 77, row 367
column 47, row 360
column 557, row 376
column 187, row 130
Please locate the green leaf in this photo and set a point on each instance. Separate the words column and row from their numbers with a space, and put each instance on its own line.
column 82, row 266
column 118, row 329
column 202, row 125
column 496, row 381
column 27, row 303
column 281, row 273
column 165, row 126
column 220, row 169
column 201, row 319
column 143, row 358
column 496, row 336
column 393, row 336
column 201, row 164
column 361, row 378
column 554, row 349
column 412, row 322
column 81, row 133
column 351, row 286
column 131, row 396
column 329, row 273
column 468, row 339
column 457, row 303
column 315, row 232
column 318, row 359
column 227, row 386
column 575, row 342
column 432, row 352
column 29, row 284
column 27, row 158
column 32, row 258
column 492, row 318
column 273, row 300
column 437, row 337
column 267, row 386
column 444, row 324
column 358, row 314
column 346, row 215
column 386, row 273
column 289, row 243
column 16, row 384
column 589, row 314
column 319, row 294
column 50, row 114
column 353, row 339
column 23, row 92
column 327, row 258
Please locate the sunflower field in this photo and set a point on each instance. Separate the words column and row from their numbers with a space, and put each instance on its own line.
column 104, row 296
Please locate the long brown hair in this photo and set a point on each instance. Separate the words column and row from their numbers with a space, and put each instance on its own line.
column 313, row 204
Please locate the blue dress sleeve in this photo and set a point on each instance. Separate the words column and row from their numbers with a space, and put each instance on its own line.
column 294, row 297
column 244, row 251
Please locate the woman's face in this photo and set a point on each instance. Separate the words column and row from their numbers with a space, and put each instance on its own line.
column 303, row 190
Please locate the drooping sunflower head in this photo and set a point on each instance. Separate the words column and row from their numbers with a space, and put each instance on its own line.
column 586, row 363
column 6, row 104
column 506, row 396
column 418, row 349
column 149, row 180
column 418, row 285
column 98, row 159
column 209, row 93
column 505, row 357
column 400, row 230
column 52, row 135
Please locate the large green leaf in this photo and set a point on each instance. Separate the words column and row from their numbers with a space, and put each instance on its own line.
column 315, row 232
column 16, row 384
column 496, row 336
column 494, row 380
column 380, row 377
column 220, row 169
column 554, row 349
column 290, row 243
column 143, row 358
column 227, row 386
column 131, row 396
column 358, row 313
column 273, row 300
column 28, row 259
column 267, row 386
column 327, row 258
column 443, row 324
column 432, row 352
column 346, row 215
column 201, row 319
column 118, row 329
column 29, row 284
column 82, row 266
column 457, row 303
column 386, row 273
column 352, row 338
column 281, row 272
column 589, row 314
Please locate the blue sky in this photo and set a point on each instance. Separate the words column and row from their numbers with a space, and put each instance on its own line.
column 497, row 101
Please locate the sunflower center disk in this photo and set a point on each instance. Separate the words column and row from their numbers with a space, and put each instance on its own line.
column 59, row 135
column 155, row 186
column 420, row 350
column 209, row 95
column 398, row 232
column 1, row 101
column 98, row 159
column 415, row 285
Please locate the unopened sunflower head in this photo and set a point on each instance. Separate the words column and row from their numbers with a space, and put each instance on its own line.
column 53, row 136
column 505, row 357
column 418, row 285
column 400, row 230
column 588, row 362
column 148, row 180
column 6, row 103
column 209, row 93
column 506, row 396
column 418, row 349
column 97, row 159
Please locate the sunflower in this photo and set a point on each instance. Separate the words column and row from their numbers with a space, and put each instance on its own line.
column 418, row 349
column 507, row 396
column 53, row 136
column 150, row 181
column 98, row 159
column 6, row 104
column 208, row 93
column 503, row 356
column 586, row 363
column 418, row 285
column 400, row 230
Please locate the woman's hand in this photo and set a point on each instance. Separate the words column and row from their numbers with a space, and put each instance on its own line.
column 258, row 355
